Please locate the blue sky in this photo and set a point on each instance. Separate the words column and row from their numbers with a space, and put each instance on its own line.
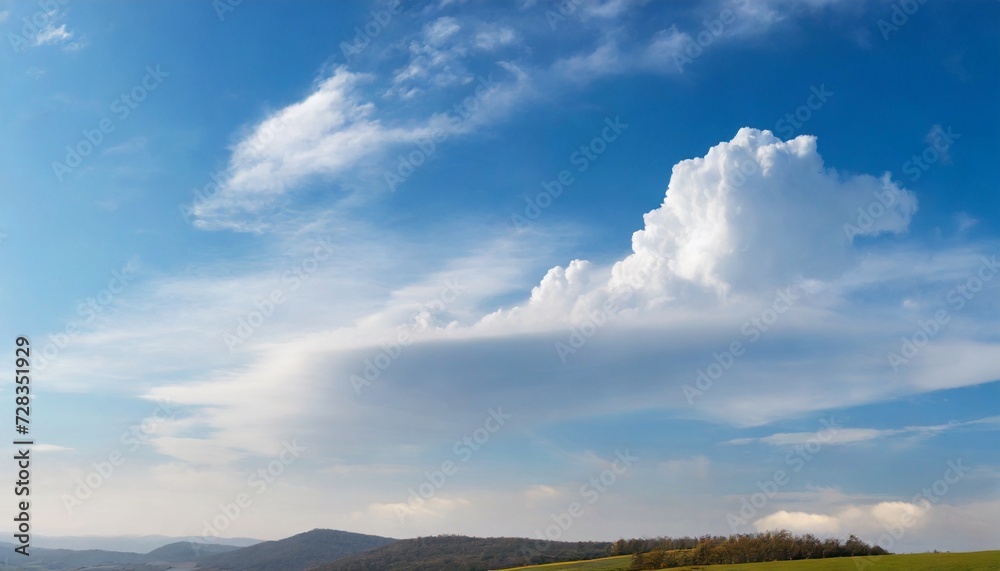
column 334, row 240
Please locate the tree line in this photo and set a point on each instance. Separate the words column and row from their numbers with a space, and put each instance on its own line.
column 665, row 552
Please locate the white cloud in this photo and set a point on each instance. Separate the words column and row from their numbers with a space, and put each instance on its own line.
column 669, row 50
column 52, row 34
column 604, row 60
column 76, row 46
column 50, row 448
column 442, row 29
column 657, row 55
column 436, row 507
column 491, row 38
column 887, row 513
column 841, row 436
column 800, row 522
column 607, row 9
column 332, row 132
column 867, row 521
column 721, row 226
column 437, row 59
column 965, row 222
column 324, row 134
column 723, row 230
column 758, row 17
column 133, row 145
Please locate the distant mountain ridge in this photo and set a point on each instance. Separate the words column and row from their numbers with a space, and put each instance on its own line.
column 182, row 551
column 178, row 552
column 129, row 543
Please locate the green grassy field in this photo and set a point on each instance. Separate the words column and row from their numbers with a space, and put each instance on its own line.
column 976, row 561
column 606, row 564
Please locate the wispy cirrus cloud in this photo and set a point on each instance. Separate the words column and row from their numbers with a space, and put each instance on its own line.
column 334, row 131
column 847, row 436
column 52, row 35
column 47, row 29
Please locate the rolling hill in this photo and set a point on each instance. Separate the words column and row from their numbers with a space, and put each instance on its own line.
column 295, row 553
column 461, row 553
column 181, row 551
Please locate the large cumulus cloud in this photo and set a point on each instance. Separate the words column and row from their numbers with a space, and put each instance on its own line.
column 753, row 214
